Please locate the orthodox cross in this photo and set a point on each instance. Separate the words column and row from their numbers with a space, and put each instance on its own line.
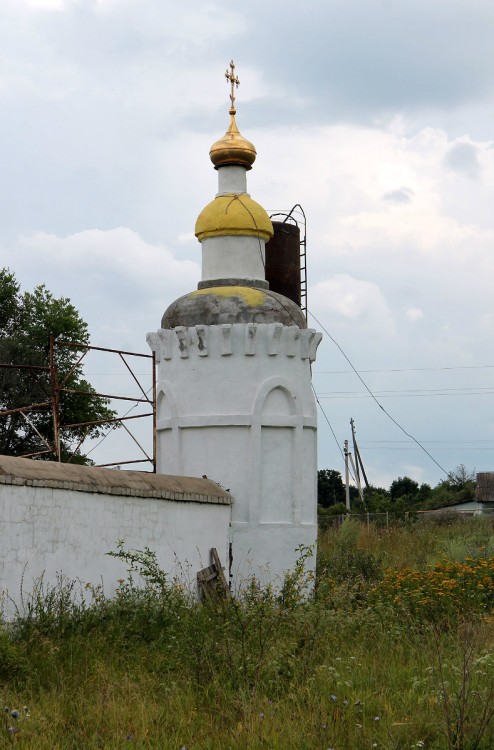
column 230, row 76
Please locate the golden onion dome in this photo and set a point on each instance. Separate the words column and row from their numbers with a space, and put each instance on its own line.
column 233, row 148
column 233, row 214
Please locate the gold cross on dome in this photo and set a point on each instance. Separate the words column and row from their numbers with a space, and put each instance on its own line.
column 230, row 76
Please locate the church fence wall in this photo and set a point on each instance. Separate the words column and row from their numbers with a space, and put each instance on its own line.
column 46, row 531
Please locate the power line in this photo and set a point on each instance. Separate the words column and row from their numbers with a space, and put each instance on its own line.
column 400, row 394
column 328, row 422
column 374, row 398
column 367, row 443
column 332, row 431
column 477, row 449
column 422, row 390
column 406, row 369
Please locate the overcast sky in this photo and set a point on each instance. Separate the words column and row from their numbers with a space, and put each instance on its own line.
column 375, row 115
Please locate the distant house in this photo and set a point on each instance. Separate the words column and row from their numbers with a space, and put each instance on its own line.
column 484, row 497
column 485, row 487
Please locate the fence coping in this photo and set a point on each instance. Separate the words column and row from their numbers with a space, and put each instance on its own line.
column 31, row 473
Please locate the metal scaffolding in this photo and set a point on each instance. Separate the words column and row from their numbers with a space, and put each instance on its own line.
column 57, row 389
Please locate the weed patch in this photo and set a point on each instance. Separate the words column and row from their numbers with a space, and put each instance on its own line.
column 392, row 649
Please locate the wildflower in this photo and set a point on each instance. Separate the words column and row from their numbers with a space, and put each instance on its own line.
column 261, row 716
column 377, row 718
column 333, row 697
column 14, row 713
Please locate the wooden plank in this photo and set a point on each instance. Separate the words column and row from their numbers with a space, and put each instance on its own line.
column 220, row 569
column 212, row 581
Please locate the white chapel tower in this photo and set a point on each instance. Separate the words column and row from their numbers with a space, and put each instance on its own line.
column 234, row 381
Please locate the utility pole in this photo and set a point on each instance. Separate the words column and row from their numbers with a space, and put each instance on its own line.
column 357, row 478
column 347, row 477
column 355, row 467
column 358, row 459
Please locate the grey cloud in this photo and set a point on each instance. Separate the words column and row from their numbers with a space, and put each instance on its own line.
column 356, row 60
column 341, row 61
column 463, row 157
column 403, row 195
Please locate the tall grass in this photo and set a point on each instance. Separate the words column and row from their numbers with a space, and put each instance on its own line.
column 348, row 667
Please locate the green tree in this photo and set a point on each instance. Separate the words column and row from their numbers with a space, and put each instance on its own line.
column 459, row 487
column 405, row 490
column 27, row 320
column 377, row 499
column 330, row 488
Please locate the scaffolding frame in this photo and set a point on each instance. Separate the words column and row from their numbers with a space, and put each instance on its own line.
column 56, row 389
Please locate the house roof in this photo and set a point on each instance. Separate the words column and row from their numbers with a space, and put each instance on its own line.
column 26, row 471
column 485, row 487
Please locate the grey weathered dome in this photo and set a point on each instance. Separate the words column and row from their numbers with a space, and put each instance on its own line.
column 232, row 304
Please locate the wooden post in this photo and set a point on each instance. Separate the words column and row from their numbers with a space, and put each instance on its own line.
column 212, row 581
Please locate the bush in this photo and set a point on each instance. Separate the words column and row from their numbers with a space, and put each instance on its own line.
column 12, row 663
column 345, row 558
column 363, row 663
column 446, row 590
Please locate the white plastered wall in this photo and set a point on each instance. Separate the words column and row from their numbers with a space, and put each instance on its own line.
column 46, row 531
column 232, row 180
column 235, row 403
column 222, row 259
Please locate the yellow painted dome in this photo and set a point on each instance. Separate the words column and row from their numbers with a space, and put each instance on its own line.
column 233, row 148
column 233, row 215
